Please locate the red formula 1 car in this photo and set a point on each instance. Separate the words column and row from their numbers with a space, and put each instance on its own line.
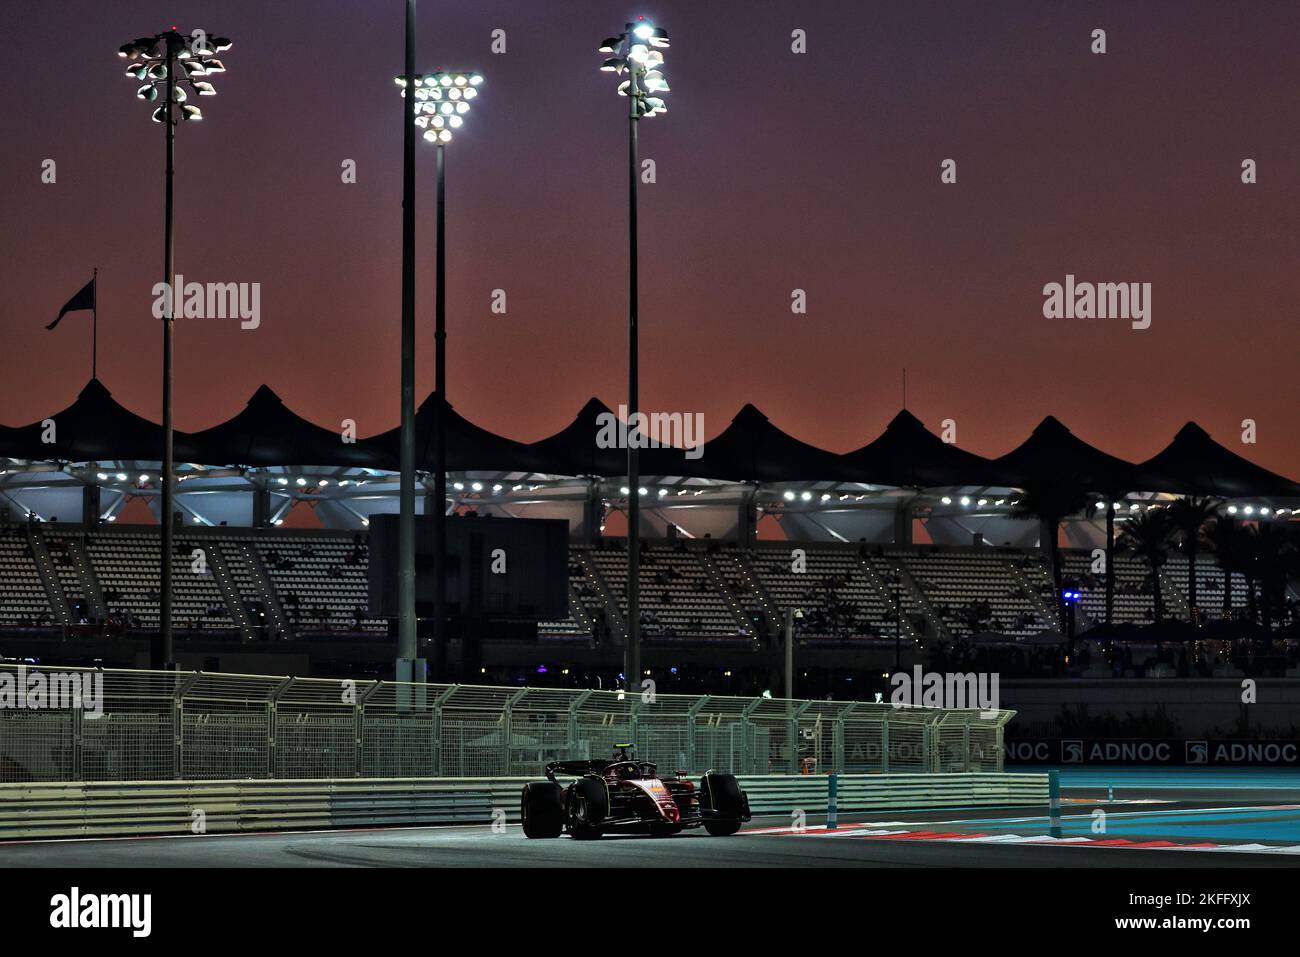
column 628, row 796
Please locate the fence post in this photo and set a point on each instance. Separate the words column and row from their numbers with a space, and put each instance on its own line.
column 178, row 722
column 572, row 735
column 796, row 713
column 832, row 802
column 272, row 714
column 965, row 745
column 1054, row 801
column 507, row 726
column 744, row 737
column 436, row 730
column 884, row 745
column 692, row 728
column 359, row 728
column 840, row 737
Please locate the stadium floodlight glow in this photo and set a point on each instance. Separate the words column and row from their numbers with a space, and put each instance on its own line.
column 451, row 92
column 947, row 500
column 789, row 496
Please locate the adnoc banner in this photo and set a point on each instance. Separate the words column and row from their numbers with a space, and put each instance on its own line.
column 1153, row 751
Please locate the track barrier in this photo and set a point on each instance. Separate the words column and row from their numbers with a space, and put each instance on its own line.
column 124, row 808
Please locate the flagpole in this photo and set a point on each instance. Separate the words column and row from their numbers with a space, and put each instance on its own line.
column 94, row 325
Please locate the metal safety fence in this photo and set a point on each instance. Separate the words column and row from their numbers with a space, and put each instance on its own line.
column 77, row 724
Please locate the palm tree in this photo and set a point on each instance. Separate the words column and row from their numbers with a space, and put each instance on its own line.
column 1224, row 535
column 1052, row 503
column 1188, row 516
column 1275, row 560
column 1148, row 535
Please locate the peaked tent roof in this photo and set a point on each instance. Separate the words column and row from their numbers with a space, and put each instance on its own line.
column 1052, row 452
column 750, row 449
column 909, row 455
column 94, row 428
column 573, row 450
column 469, row 447
column 1194, row 463
column 266, row 432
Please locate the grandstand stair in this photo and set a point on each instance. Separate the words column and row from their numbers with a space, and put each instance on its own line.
column 252, row 559
column 90, row 587
column 882, row 592
column 578, row 611
column 748, row 574
column 1174, row 598
column 49, row 576
column 613, row 611
column 744, row 620
column 912, row 590
column 1045, row 608
column 230, row 592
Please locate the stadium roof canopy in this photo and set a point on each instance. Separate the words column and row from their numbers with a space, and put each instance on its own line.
column 266, row 437
column 265, row 433
column 469, row 448
column 1053, row 453
column 1193, row 463
column 574, row 450
column 752, row 449
column 908, row 455
column 94, row 428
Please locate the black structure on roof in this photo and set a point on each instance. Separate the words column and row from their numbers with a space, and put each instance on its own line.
column 751, row 449
column 266, row 432
column 1193, row 463
column 909, row 455
column 1053, row 453
column 95, row 427
column 469, row 447
column 574, row 449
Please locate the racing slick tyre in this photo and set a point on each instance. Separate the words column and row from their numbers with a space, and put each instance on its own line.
column 588, row 807
column 721, row 793
column 541, row 810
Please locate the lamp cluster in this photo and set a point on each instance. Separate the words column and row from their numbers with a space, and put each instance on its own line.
column 638, row 52
column 442, row 102
column 194, row 60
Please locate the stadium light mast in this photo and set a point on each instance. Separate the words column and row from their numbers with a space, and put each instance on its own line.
column 441, row 102
column 637, row 53
column 155, row 62
column 408, row 666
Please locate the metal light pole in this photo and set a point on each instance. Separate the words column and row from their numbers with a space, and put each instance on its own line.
column 155, row 61
column 637, row 51
column 409, row 667
column 438, row 105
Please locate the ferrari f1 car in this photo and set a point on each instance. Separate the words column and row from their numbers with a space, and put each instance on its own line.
column 591, row 798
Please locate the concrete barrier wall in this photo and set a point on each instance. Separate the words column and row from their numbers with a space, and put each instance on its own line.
column 104, row 809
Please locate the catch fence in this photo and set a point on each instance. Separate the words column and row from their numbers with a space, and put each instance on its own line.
column 168, row 726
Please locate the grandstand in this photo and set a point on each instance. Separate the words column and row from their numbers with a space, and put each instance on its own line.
column 282, row 584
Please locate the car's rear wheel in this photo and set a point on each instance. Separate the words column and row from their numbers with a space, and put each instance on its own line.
column 541, row 810
column 588, row 808
column 721, row 794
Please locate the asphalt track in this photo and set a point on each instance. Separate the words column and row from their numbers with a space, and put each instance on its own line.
column 1157, row 819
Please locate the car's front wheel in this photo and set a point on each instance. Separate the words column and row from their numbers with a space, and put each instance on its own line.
column 722, row 798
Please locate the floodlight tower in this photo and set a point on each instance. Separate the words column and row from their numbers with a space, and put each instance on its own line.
column 441, row 103
column 637, row 52
column 156, row 62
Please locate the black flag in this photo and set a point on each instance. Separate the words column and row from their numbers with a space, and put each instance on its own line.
column 85, row 299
